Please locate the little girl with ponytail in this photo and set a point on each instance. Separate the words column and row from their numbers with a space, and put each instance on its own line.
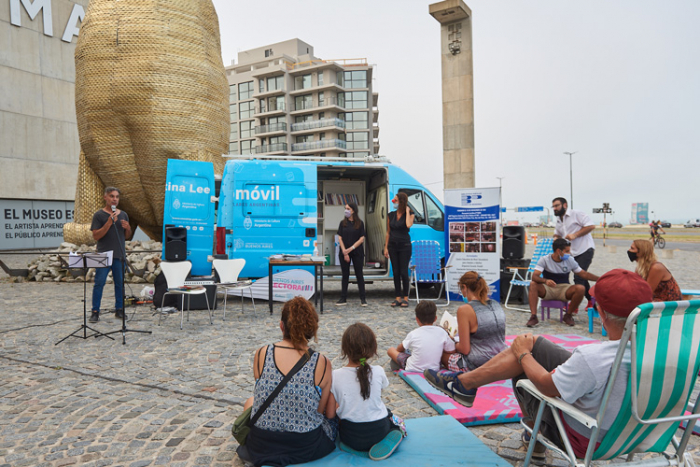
column 367, row 427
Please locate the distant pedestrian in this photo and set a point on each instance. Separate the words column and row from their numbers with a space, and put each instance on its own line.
column 576, row 227
column 351, row 233
column 657, row 275
column 398, row 248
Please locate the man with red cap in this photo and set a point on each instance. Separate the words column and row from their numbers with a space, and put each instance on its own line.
column 578, row 377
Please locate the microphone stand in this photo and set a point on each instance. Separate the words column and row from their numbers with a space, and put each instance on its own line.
column 122, row 245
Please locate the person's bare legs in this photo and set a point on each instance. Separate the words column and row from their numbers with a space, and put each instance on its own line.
column 536, row 292
column 575, row 295
column 503, row 366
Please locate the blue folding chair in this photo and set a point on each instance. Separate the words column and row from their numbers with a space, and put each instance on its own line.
column 426, row 268
column 543, row 248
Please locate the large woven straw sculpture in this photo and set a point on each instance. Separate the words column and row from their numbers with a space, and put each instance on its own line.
column 149, row 86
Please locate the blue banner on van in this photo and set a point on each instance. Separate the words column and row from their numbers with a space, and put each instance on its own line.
column 189, row 203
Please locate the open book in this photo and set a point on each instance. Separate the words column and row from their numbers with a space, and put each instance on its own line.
column 449, row 323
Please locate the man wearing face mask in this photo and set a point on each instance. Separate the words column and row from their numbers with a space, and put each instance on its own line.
column 550, row 281
column 576, row 227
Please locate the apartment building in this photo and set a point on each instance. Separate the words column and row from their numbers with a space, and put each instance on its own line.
column 284, row 101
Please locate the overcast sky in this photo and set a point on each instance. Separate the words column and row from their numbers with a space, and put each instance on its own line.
column 618, row 82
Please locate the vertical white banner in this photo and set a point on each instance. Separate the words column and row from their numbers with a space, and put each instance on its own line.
column 472, row 239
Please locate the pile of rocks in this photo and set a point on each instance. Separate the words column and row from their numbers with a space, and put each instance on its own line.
column 143, row 257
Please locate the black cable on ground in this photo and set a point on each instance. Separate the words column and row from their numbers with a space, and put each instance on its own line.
column 36, row 325
column 117, row 380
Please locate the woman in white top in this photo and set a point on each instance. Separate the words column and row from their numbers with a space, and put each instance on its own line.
column 356, row 397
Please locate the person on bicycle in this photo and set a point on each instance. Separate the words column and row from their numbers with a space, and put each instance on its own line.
column 655, row 227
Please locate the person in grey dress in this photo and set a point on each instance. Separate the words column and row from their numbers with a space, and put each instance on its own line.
column 481, row 325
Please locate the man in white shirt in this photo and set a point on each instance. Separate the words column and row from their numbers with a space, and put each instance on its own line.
column 550, row 281
column 576, row 227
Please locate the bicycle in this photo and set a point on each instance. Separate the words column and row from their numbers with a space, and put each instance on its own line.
column 659, row 241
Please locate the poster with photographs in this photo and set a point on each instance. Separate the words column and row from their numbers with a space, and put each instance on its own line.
column 472, row 225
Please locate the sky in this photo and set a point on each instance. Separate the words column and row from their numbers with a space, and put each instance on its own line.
column 616, row 82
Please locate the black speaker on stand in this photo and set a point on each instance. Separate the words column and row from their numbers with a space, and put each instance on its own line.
column 175, row 243
column 513, row 242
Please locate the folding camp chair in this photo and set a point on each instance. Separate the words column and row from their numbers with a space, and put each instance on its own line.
column 520, row 279
column 665, row 356
column 426, row 268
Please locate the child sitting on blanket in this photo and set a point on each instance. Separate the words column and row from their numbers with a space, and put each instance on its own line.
column 423, row 347
column 367, row 428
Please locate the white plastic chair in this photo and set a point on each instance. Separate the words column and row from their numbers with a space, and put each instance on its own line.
column 175, row 275
column 228, row 271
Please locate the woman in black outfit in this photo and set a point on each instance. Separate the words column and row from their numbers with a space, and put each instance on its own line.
column 397, row 246
column 352, row 236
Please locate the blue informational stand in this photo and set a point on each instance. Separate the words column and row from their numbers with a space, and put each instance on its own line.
column 189, row 203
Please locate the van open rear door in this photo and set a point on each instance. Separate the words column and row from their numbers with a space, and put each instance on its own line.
column 189, row 203
column 268, row 208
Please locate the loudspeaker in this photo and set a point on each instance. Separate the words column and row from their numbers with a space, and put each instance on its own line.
column 513, row 241
column 175, row 244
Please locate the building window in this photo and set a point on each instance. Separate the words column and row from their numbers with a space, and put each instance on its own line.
column 303, row 102
column 247, row 129
column 355, row 120
column 278, row 140
column 321, row 99
column 304, row 139
column 340, row 78
column 319, row 78
column 233, row 148
column 233, row 110
column 245, row 90
column 353, row 99
column 303, row 118
column 321, row 136
column 233, row 136
column 274, row 120
column 268, row 52
column 358, row 140
column 246, row 110
column 247, row 147
column 275, row 103
column 302, row 82
column 261, row 85
column 232, row 93
column 275, row 83
column 321, row 115
column 355, row 79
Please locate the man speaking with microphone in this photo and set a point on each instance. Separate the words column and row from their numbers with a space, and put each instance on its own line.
column 110, row 227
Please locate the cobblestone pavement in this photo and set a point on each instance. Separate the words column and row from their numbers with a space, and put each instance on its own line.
column 169, row 398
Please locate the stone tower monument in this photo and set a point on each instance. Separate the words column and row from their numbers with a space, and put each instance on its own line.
column 455, row 20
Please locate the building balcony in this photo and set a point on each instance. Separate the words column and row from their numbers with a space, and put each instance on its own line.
column 314, row 126
column 271, row 149
column 376, row 147
column 268, row 130
column 271, row 110
column 375, row 131
column 323, row 87
column 327, row 104
column 269, row 93
column 319, row 146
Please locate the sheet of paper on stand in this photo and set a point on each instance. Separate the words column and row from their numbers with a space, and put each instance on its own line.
column 93, row 260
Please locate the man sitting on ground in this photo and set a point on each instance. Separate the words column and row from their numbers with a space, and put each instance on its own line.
column 579, row 378
column 554, row 284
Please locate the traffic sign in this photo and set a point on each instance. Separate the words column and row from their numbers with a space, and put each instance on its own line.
column 530, row 209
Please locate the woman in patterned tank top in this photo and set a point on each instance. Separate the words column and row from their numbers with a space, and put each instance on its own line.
column 658, row 277
column 293, row 429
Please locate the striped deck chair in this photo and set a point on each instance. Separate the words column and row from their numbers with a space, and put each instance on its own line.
column 665, row 353
column 522, row 279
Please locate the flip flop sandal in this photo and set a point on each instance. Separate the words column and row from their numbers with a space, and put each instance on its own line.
column 396, row 303
column 404, row 303
column 387, row 446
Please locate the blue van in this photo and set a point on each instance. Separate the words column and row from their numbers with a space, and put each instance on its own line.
column 269, row 207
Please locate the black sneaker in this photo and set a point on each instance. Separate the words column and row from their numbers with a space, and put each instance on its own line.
column 540, row 451
column 363, row 302
column 342, row 302
column 533, row 321
column 568, row 319
column 119, row 313
column 95, row 317
column 448, row 382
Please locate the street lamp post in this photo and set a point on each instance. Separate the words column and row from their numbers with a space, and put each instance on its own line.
column 571, row 178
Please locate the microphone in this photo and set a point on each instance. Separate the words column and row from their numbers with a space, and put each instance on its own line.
column 114, row 211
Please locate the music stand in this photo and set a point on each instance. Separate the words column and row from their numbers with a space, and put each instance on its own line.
column 84, row 261
column 123, row 329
